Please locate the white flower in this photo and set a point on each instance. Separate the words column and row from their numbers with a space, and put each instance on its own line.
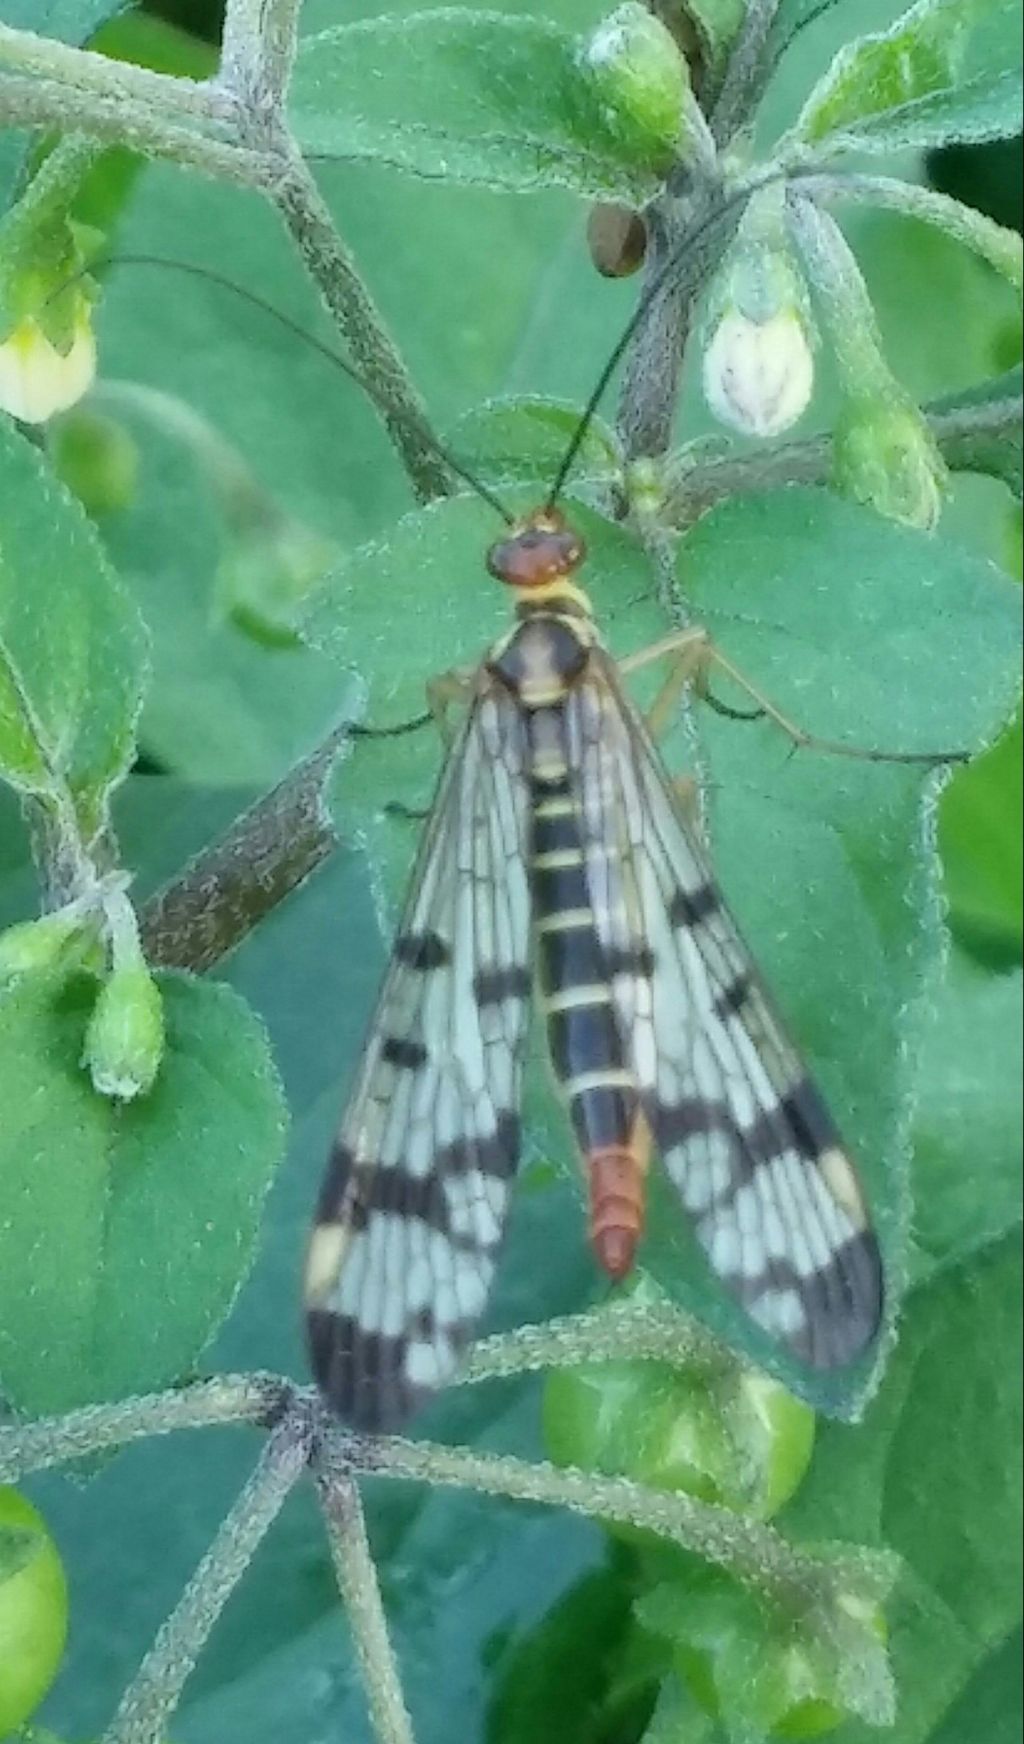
column 758, row 375
column 36, row 380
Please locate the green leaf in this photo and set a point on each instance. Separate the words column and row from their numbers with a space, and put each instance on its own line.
column 126, row 1230
column 522, row 439
column 982, row 108
column 72, row 650
column 980, row 831
column 969, row 1108
column 995, row 243
column 932, row 1472
column 989, row 1706
column 825, row 861
column 965, row 1380
column 219, row 707
column 717, row 24
column 546, row 1666
column 71, row 21
column 946, row 70
column 981, row 447
column 503, row 101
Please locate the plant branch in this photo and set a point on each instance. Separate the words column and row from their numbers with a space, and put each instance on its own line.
column 1001, row 247
column 360, row 1590
column 79, row 69
column 50, row 1441
column 624, row 1331
column 696, row 488
column 746, row 73
column 258, row 49
column 650, row 387
column 752, row 1552
column 117, row 121
column 689, row 230
column 73, row 89
column 231, row 886
column 373, row 355
column 153, row 1695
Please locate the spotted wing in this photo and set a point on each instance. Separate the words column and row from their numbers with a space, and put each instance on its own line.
column 745, row 1136
column 412, row 1209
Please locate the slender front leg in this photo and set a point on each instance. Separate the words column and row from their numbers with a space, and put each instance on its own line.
column 444, row 692
column 687, row 652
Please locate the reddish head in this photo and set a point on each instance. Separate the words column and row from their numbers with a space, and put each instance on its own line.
column 541, row 551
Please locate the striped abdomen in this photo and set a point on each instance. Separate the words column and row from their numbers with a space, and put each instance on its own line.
column 586, row 1047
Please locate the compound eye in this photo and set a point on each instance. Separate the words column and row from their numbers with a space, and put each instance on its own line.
column 535, row 556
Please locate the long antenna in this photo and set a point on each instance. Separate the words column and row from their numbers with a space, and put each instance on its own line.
column 255, row 301
column 687, row 245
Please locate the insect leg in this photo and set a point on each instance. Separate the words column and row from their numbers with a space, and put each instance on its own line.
column 688, row 651
column 446, row 691
column 805, row 741
column 359, row 730
column 692, row 653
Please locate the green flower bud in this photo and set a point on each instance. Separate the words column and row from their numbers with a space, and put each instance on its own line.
column 885, row 455
column 36, row 944
column 723, row 1433
column 776, row 1432
column 33, row 1610
column 124, row 1042
column 641, row 83
column 760, row 1665
column 266, row 576
column 805, row 1706
column 645, row 487
column 37, row 377
column 97, row 459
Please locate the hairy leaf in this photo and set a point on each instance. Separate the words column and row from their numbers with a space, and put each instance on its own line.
column 126, row 1229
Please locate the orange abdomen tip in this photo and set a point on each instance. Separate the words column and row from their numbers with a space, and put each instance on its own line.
column 616, row 1207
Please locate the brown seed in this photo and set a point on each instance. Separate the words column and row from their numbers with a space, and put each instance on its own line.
column 617, row 238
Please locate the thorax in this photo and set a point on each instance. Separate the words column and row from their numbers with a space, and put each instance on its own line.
column 544, row 655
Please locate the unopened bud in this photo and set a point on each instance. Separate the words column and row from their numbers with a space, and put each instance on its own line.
column 266, row 576
column 37, row 944
column 124, row 1042
column 641, row 82
column 97, row 459
column 37, row 378
column 885, row 455
column 645, row 487
column 758, row 374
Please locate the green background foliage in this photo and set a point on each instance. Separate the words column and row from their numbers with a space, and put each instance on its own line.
column 858, row 629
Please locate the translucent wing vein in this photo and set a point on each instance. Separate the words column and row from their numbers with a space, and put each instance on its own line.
column 412, row 1209
column 744, row 1135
